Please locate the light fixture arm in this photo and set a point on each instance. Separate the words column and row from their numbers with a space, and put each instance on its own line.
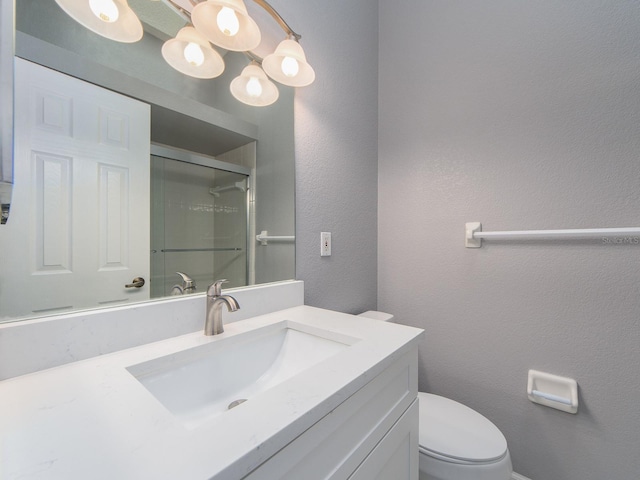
column 278, row 18
column 265, row 5
column 185, row 14
column 254, row 57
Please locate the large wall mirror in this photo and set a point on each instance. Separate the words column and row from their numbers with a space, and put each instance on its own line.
column 178, row 199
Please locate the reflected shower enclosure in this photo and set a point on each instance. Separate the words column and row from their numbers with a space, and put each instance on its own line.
column 199, row 224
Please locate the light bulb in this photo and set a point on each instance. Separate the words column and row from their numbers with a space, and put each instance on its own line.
column 193, row 54
column 228, row 22
column 254, row 89
column 105, row 10
column 290, row 66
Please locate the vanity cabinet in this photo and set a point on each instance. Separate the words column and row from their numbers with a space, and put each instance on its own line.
column 396, row 456
column 372, row 434
column 351, row 415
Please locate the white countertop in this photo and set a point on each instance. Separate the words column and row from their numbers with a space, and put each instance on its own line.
column 93, row 419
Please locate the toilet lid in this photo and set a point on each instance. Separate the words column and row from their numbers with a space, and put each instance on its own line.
column 450, row 429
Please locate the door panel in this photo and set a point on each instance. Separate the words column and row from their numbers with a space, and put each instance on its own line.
column 81, row 196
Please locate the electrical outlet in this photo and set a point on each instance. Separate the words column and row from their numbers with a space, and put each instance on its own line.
column 325, row 244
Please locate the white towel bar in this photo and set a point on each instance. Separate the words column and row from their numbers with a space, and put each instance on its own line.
column 474, row 234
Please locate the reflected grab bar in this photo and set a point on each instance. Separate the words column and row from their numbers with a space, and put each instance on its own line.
column 263, row 237
column 217, row 249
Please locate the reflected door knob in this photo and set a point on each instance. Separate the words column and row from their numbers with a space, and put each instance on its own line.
column 138, row 282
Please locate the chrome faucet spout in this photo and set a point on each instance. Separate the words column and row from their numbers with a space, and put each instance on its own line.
column 213, row 324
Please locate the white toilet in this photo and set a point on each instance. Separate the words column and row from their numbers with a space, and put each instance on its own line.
column 456, row 442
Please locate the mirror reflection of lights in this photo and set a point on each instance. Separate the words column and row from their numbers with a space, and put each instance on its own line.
column 224, row 23
column 105, row 10
column 112, row 19
column 228, row 22
column 290, row 66
column 193, row 54
column 254, row 89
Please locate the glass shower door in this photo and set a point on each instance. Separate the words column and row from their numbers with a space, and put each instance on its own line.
column 199, row 225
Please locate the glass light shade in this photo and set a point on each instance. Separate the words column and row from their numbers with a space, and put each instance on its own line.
column 228, row 22
column 112, row 19
column 253, row 87
column 105, row 10
column 288, row 53
column 190, row 53
column 205, row 18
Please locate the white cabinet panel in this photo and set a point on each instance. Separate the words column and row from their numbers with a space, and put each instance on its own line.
column 338, row 444
column 396, row 456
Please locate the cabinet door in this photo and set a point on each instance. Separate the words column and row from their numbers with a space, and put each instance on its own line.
column 396, row 456
column 339, row 443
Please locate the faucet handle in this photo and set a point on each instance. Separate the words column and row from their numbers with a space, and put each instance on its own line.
column 215, row 289
column 187, row 281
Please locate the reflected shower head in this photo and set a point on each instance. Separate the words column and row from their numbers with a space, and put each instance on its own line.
column 240, row 185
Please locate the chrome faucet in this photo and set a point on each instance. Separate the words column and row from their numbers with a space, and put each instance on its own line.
column 215, row 300
column 188, row 285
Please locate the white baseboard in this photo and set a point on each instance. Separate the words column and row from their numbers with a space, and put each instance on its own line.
column 517, row 476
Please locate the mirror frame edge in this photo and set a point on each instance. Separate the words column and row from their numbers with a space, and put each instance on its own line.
column 7, row 49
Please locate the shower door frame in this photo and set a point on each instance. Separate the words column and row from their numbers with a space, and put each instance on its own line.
column 172, row 153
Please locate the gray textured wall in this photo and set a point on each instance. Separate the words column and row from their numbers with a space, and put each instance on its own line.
column 336, row 151
column 520, row 115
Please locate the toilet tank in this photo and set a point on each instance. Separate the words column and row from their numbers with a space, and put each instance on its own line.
column 385, row 317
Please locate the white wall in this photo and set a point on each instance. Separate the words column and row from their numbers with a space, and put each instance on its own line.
column 336, row 151
column 520, row 115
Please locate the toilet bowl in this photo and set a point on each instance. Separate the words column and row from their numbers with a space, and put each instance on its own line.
column 458, row 443
column 455, row 441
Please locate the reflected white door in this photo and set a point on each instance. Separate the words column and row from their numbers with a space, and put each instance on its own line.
column 81, row 197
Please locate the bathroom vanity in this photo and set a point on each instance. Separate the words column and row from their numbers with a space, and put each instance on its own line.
column 328, row 395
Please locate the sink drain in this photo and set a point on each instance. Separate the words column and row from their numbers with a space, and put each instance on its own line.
column 235, row 403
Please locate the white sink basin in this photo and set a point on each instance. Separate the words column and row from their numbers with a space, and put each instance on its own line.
column 202, row 382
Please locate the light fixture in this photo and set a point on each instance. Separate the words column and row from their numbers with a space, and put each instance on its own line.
column 288, row 65
column 227, row 24
column 112, row 19
column 191, row 54
column 253, row 87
